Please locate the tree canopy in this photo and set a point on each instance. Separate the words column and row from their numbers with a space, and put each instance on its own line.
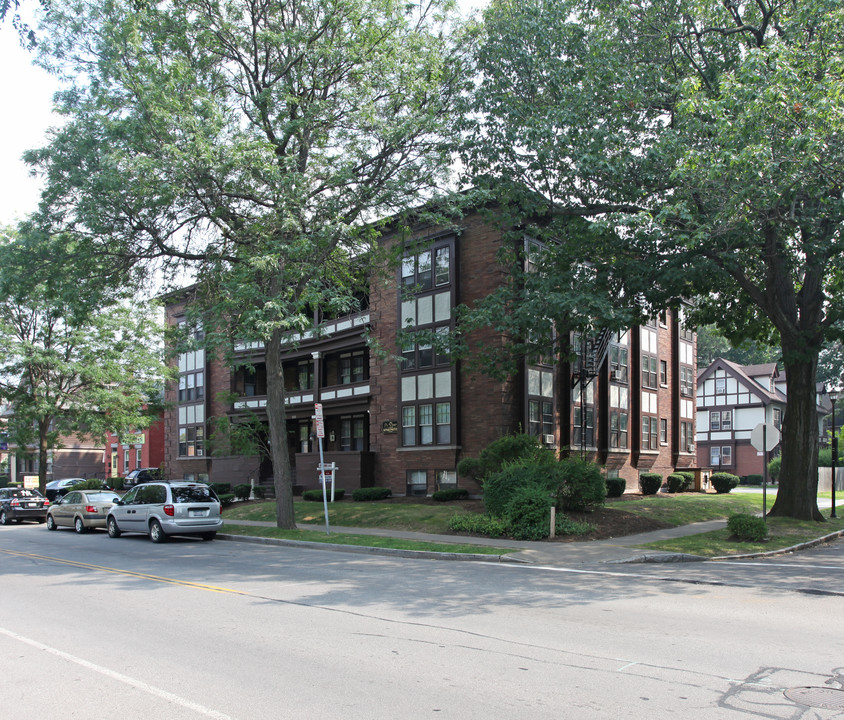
column 74, row 360
column 702, row 141
column 253, row 141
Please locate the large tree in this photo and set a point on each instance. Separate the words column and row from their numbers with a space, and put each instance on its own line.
column 76, row 359
column 254, row 141
column 706, row 138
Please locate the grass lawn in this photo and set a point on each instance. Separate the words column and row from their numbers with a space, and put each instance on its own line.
column 414, row 517
column 363, row 540
column 693, row 507
column 783, row 533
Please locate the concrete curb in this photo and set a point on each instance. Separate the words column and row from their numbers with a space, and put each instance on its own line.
column 369, row 550
column 661, row 558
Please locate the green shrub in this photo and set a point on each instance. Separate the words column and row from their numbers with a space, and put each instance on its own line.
column 316, row 495
column 450, row 494
column 676, row 483
column 500, row 487
column 724, row 482
column 747, row 527
column 650, row 483
column 370, row 494
column 752, row 480
column 504, row 451
column 226, row 499
column 566, row 526
column 116, row 483
column 529, row 513
column 221, row 488
column 258, row 491
column 616, row 486
column 468, row 467
column 582, row 487
column 478, row 525
column 774, row 468
column 242, row 491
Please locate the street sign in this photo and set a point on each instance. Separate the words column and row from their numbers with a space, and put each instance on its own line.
column 765, row 437
column 320, row 422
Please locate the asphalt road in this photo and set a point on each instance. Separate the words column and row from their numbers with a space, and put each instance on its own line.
column 94, row 627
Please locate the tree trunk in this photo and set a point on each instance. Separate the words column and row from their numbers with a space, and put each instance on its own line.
column 43, row 447
column 277, row 417
column 797, row 496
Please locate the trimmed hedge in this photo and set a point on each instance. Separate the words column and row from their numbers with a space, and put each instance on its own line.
column 724, row 482
column 616, row 487
column 370, row 494
column 316, row 495
column 747, row 527
column 449, row 494
column 478, row 525
column 226, row 499
column 650, row 483
column 221, row 488
column 242, row 491
column 676, row 483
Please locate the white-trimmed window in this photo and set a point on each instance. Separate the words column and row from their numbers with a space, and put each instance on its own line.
column 417, row 482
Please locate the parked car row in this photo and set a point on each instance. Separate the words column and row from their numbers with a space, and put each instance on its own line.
column 157, row 509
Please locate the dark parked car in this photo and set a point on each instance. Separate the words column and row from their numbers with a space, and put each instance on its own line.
column 142, row 475
column 22, row 504
column 56, row 488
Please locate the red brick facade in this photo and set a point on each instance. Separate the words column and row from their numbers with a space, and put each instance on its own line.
column 481, row 409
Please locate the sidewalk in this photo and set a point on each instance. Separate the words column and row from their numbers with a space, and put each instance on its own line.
column 551, row 553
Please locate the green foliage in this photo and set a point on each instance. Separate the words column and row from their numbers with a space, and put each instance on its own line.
column 529, row 513
column 616, row 486
column 654, row 212
column 478, row 525
column 221, row 488
column 580, row 485
column 566, row 526
column 678, row 482
column 774, row 468
column 747, row 527
column 116, row 483
column 752, row 479
column 259, row 492
column 371, row 494
column 226, row 499
column 500, row 487
column 724, row 482
column 450, row 494
column 504, row 450
column 650, row 483
column 316, row 495
column 242, row 491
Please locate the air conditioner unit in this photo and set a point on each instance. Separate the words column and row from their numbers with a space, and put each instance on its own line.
column 548, row 439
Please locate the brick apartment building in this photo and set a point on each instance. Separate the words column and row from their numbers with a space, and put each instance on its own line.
column 406, row 422
column 142, row 449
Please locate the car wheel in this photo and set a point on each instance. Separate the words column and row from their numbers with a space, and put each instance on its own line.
column 156, row 534
column 79, row 526
column 4, row 518
column 51, row 524
column 113, row 530
column 208, row 535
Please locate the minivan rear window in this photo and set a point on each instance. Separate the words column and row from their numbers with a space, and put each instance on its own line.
column 193, row 493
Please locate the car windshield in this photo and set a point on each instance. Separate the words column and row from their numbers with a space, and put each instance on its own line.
column 193, row 493
column 102, row 497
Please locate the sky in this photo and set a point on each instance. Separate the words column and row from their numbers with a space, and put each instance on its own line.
column 27, row 93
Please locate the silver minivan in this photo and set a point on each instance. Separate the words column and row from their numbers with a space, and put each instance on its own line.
column 161, row 509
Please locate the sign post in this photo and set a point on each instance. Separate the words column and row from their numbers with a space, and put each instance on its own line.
column 765, row 437
column 320, row 432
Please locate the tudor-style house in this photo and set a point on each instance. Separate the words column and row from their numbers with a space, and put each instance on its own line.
column 732, row 400
column 405, row 421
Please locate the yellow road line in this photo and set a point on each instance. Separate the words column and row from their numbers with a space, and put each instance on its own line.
column 130, row 573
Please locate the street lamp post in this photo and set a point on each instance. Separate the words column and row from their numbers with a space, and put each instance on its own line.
column 833, row 395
